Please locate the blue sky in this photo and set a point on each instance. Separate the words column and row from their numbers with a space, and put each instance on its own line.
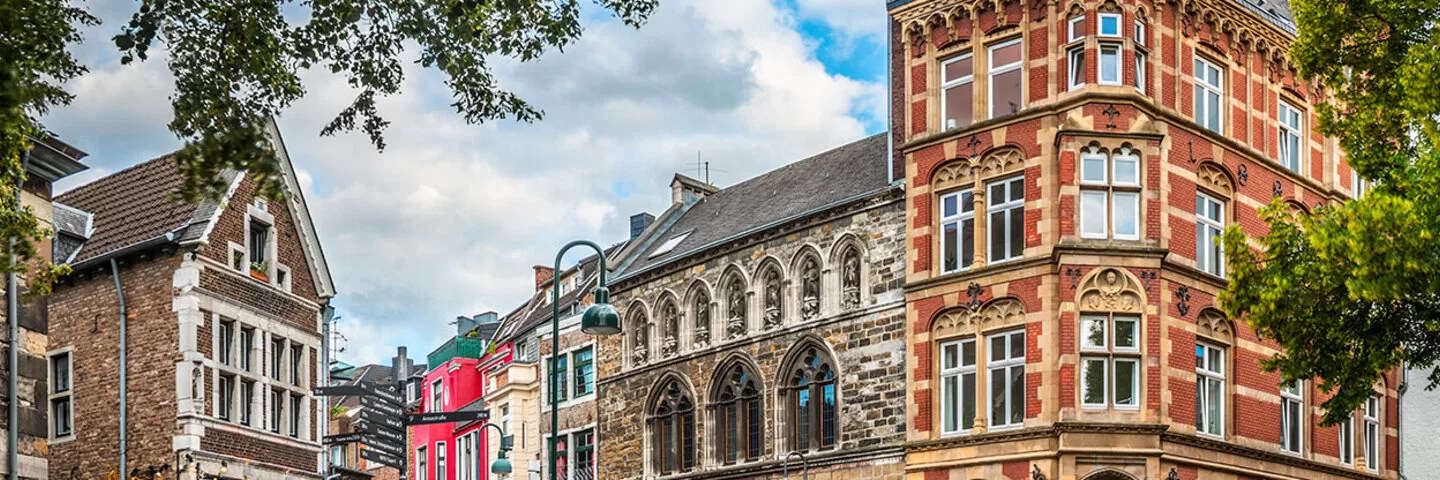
column 451, row 217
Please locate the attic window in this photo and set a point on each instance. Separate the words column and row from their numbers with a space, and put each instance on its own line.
column 670, row 244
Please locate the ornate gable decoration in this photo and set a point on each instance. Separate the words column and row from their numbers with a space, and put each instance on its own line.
column 1213, row 324
column 1005, row 311
column 964, row 170
column 1110, row 291
column 1211, row 177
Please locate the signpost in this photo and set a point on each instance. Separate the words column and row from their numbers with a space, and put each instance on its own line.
column 382, row 406
column 445, row 417
column 383, row 458
column 342, row 438
column 380, row 418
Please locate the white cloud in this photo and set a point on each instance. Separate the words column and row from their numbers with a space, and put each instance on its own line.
column 857, row 18
column 451, row 217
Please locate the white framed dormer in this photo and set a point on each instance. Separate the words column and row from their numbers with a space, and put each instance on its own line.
column 260, row 257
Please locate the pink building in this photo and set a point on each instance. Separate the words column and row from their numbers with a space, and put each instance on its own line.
column 453, row 451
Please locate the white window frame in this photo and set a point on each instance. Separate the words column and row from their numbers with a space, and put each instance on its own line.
column 1014, row 213
column 1002, row 367
column 1117, row 51
column 1139, row 33
column 1359, row 186
column 1119, row 25
column 1075, row 28
column 1347, row 441
column 1371, row 434
column 1292, row 396
column 54, row 395
column 421, row 464
column 437, row 396
column 1086, row 362
column 945, row 87
column 1290, row 124
column 1075, row 65
column 1114, row 191
column 959, row 219
column 1140, row 71
column 1207, row 234
column 441, row 461
column 1203, row 88
column 958, row 373
column 1108, row 355
column 995, row 70
column 1205, row 373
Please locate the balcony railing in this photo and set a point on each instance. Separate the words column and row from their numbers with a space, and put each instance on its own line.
column 457, row 347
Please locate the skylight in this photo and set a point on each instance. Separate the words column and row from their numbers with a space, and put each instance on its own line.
column 669, row 245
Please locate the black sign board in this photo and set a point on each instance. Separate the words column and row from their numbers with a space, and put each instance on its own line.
column 381, row 405
column 387, row 392
column 445, row 417
column 381, row 432
column 382, row 458
column 383, row 445
column 380, row 418
column 339, row 391
column 342, row 438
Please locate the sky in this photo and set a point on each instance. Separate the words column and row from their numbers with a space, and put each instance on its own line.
column 450, row 219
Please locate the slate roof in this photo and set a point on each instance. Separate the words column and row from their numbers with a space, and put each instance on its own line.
column 375, row 373
column 1277, row 12
column 72, row 229
column 832, row 177
column 536, row 310
column 137, row 204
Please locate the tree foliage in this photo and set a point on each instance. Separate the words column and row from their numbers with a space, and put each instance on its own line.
column 237, row 64
column 1352, row 290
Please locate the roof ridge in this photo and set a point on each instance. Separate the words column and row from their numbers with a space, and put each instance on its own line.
column 794, row 164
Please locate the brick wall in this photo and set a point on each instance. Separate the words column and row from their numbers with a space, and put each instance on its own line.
column 231, row 228
column 247, row 447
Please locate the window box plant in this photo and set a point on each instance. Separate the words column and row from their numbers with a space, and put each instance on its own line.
column 260, row 271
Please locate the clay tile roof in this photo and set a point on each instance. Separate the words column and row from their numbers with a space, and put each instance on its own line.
column 135, row 205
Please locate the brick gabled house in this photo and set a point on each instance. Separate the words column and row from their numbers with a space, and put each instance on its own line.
column 221, row 302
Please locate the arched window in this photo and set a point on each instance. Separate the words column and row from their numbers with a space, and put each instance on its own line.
column 809, row 288
column 739, row 422
column 774, row 299
column 810, row 400
column 672, row 430
column 736, row 324
column 850, row 278
column 670, row 323
column 701, row 314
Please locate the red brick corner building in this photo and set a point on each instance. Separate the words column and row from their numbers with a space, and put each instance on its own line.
column 1068, row 167
column 222, row 303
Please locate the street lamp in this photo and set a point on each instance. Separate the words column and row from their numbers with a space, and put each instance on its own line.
column 501, row 465
column 600, row 318
column 805, row 464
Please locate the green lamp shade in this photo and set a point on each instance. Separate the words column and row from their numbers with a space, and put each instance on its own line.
column 601, row 318
column 500, row 465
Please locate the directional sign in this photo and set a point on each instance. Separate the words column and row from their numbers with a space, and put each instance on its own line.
column 381, row 432
column 339, row 391
column 445, row 417
column 382, row 458
column 377, row 403
column 387, row 392
column 342, row 438
column 380, row 418
column 384, row 445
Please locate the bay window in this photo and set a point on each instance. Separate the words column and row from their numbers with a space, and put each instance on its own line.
column 1110, row 361
column 1109, row 24
column 1076, row 62
column 1110, row 63
column 1110, row 194
column 1076, row 28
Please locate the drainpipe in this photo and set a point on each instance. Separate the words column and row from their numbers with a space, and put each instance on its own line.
column 12, row 312
column 120, row 297
column 1400, row 419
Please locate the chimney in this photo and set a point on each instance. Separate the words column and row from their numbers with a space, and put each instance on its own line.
column 543, row 274
column 684, row 189
column 464, row 325
column 639, row 222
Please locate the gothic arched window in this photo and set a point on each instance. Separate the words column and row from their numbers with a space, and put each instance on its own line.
column 809, row 288
column 774, row 298
column 810, row 400
column 735, row 323
column 672, row 430
column 670, row 325
column 700, row 312
column 738, row 419
column 850, row 278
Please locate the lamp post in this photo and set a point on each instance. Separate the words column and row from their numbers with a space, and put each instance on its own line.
column 804, row 464
column 501, row 464
column 600, row 318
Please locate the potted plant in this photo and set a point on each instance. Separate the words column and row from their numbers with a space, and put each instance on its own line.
column 260, row 270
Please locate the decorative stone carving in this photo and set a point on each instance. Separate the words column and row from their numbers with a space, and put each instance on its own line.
column 1006, row 311
column 1213, row 324
column 810, row 288
column 1001, row 161
column 702, row 319
column 773, row 299
column 850, row 279
column 642, row 340
column 953, row 173
column 736, row 325
column 1111, row 291
column 670, row 319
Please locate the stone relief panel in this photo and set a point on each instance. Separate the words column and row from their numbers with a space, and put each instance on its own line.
column 1109, row 290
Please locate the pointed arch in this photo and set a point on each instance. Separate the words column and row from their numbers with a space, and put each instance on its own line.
column 699, row 311
column 809, row 268
column 808, row 388
column 1216, row 179
column 848, row 255
column 953, row 173
column 641, row 331
column 735, row 311
column 998, row 312
column 1110, row 290
column 1109, row 473
column 737, row 410
column 770, row 283
column 670, row 422
column 1213, row 324
column 667, row 315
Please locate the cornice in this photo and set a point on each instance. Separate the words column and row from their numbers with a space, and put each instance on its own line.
column 1262, row 455
column 774, row 467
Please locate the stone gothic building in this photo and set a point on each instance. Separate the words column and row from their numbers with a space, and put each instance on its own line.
column 1069, row 166
column 762, row 319
column 221, row 305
